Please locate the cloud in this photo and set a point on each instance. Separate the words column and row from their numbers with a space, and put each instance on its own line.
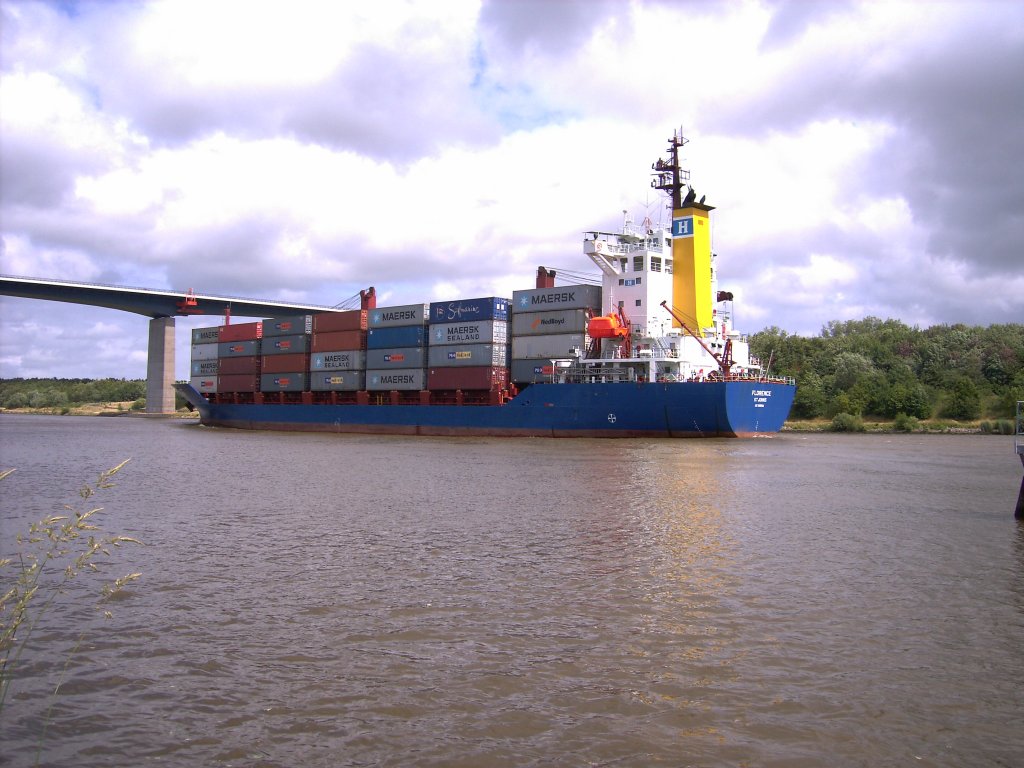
column 864, row 157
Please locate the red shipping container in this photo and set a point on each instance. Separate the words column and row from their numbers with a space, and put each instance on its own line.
column 353, row 320
column 236, row 365
column 471, row 377
column 336, row 340
column 296, row 361
column 238, row 383
column 241, row 331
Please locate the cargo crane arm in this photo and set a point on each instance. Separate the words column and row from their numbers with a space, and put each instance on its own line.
column 724, row 360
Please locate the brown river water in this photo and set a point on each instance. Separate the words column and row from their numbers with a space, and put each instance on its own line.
column 320, row 600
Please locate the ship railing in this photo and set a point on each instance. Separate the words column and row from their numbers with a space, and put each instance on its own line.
column 757, row 378
column 585, row 374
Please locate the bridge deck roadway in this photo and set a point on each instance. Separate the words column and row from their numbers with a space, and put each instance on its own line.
column 162, row 307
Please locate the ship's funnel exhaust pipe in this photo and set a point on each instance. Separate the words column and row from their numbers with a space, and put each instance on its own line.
column 368, row 298
column 545, row 278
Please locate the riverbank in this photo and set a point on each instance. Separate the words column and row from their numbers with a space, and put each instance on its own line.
column 930, row 426
column 98, row 409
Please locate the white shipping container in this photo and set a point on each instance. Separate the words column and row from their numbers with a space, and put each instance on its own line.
column 401, row 378
column 475, row 355
column 472, row 332
column 205, row 384
column 342, row 360
column 562, row 297
column 407, row 314
column 209, row 335
column 559, row 321
column 337, row 381
column 560, row 345
column 204, row 352
column 205, row 367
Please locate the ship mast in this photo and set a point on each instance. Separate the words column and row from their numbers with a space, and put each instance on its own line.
column 670, row 178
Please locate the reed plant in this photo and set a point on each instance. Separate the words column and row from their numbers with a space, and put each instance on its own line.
column 55, row 551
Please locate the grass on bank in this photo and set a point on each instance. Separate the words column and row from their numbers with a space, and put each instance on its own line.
column 845, row 422
column 38, row 567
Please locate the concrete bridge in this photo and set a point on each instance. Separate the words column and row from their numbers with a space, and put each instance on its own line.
column 162, row 307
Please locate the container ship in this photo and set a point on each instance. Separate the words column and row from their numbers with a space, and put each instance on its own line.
column 650, row 352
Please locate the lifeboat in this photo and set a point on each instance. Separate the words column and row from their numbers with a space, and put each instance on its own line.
column 607, row 327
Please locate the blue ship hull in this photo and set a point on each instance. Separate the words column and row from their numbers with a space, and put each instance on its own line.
column 740, row 408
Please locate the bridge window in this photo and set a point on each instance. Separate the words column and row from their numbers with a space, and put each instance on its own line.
column 655, row 264
column 638, row 263
column 668, row 266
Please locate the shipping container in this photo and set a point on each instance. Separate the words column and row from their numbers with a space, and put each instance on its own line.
column 562, row 297
column 237, row 382
column 461, row 310
column 284, row 345
column 559, row 321
column 558, row 345
column 205, row 367
column 206, row 335
column 297, row 361
column 337, row 381
column 408, row 314
column 352, row 320
column 396, row 336
column 467, row 355
column 398, row 357
column 205, row 384
column 479, row 377
column 283, row 382
column 330, row 341
column 230, row 366
column 241, row 332
column 288, row 326
column 204, row 351
column 401, row 379
column 341, row 360
column 238, row 348
column 479, row 332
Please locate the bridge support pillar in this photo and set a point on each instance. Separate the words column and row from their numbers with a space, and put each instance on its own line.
column 160, row 368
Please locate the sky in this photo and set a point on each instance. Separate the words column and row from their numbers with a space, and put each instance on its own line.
column 864, row 158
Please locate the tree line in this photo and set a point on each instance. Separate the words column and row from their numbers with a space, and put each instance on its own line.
column 889, row 370
column 59, row 393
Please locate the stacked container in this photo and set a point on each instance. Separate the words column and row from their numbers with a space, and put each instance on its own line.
column 285, row 354
column 468, row 344
column 396, row 348
column 238, row 357
column 203, row 367
column 549, row 324
column 338, row 345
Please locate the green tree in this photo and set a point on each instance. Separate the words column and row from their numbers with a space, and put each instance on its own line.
column 965, row 402
column 908, row 398
column 811, row 400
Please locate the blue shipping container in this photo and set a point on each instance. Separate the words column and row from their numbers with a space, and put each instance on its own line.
column 489, row 308
column 396, row 336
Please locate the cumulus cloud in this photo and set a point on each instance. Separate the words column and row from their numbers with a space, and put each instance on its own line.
column 864, row 157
